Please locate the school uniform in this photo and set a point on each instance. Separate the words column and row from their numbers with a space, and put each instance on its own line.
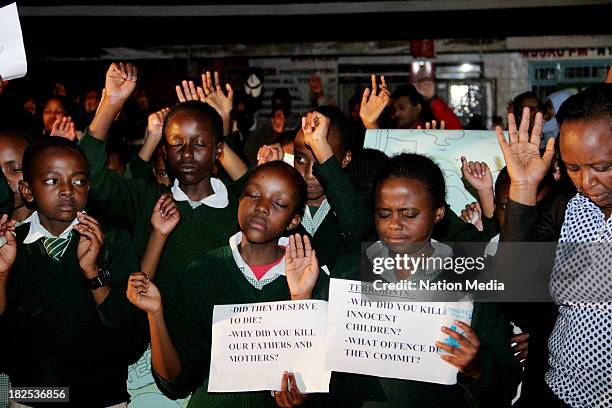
column 495, row 387
column 53, row 332
column 220, row 277
column 206, row 224
column 342, row 221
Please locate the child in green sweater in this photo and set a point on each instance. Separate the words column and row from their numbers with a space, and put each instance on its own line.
column 63, row 316
column 255, row 267
column 409, row 201
column 192, row 134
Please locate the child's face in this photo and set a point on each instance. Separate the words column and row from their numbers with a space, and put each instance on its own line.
column 404, row 215
column 11, row 153
column 54, row 109
column 59, row 187
column 305, row 159
column 190, row 149
column 267, row 206
column 404, row 114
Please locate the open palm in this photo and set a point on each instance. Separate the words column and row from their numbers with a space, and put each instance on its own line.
column 8, row 251
column 522, row 154
column 373, row 103
column 120, row 80
column 301, row 267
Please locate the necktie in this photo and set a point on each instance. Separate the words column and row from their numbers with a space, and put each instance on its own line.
column 56, row 247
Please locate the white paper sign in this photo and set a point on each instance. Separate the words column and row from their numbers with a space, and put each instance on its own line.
column 381, row 336
column 445, row 147
column 253, row 344
column 13, row 62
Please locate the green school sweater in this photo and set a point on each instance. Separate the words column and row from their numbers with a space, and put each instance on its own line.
column 501, row 372
column 130, row 203
column 213, row 280
column 54, row 334
column 349, row 220
column 6, row 196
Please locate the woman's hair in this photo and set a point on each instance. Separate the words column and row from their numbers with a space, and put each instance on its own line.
column 202, row 111
column 362, row 169
column 416, row 167
column 295, row 177
column 592, row 103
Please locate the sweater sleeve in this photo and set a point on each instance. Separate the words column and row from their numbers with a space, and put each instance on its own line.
column 6, row 196
column 443, row 112
column 190, row 330
column 500, row 371
column 140, row 169
column 118, row 198
column 116, row 312
column 345, row 201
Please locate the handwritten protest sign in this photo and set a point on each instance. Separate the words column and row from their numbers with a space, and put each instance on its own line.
column 13, row 62
column 381, row 335
column 445, row 147
column 253, row 344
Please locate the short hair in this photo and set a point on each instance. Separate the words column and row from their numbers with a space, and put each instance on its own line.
column 502, row 181
column 411, row 92
column 296, row 180
column 34, row 150
column 517, row 102
column 15, row 134
column 362, row 169
column 416, row 167
column 592, row 103
column 341, row 123
column 200, row 110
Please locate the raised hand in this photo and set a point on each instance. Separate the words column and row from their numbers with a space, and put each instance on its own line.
column 433, row 125
column 301, row 267
column 64, row 127
column 465, row 356
column 526, row 167
column 373, row 103
column 90, row 244
column 8, row 247
column 165, row 216
column 189, row 92
column 472, row 214
column 214, row 96
column 426, row 87
column 477, row 174
column 268, row 153
column 142, row 293
column 289, row 396
column 315, row 126
column 155, row 123
column 120, row 81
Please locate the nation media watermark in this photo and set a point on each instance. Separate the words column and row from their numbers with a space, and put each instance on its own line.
column 486, row 272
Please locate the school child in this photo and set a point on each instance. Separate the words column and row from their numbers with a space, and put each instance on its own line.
column 64, row 317
column 409, row 201
column 258, row 265
column 336, row 216
column 12, row 146
column 191, row 143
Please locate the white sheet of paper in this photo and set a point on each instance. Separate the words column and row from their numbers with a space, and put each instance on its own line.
column 380, row 336
column 253, row 344
column 13, row 62
column 445, row 147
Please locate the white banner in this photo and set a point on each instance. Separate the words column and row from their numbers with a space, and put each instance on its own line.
column 253, row 344
column 377, row 334
column 445, row 147
column 13, row 62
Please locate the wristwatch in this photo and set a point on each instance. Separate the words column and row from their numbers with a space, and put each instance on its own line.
column 103, row 279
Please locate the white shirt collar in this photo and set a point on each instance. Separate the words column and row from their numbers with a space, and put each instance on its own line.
column 219, row 199
column 278, row 269
column 37, row 231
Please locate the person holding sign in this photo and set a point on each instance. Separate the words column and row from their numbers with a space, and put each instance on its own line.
column 258, row 265
column 409, row 201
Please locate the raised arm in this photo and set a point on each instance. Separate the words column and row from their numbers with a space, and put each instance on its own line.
column 373, row 103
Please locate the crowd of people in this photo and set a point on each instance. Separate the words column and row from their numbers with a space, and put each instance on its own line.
column 121, row 229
